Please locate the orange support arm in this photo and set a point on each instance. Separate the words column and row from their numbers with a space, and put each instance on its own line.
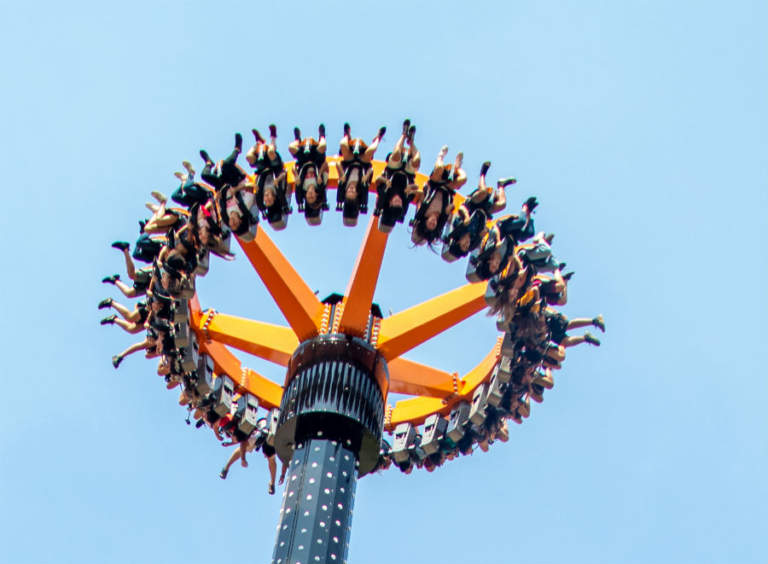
column 270, row 342
column 414, row 379
column 409, row 328
column 362, row 283
column 300, row 306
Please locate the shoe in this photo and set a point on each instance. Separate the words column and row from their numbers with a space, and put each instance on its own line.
column 347, row 130
column 121, row 245
column 159, row 196
column 561, row 266
column 238, row 141
column 272, row 130
column 206, row 158
column 297, row 134
column 599, row 322
column 484, row 168
column 142, row 225
column 271, row 489
column 223, row 473
column 504, row 182
column 116, row 360
column 108, row 320
column 588, row 337
column 411, row 133
column 111, row 279
column 382, row 131
column 567, row 276
column 257, row 136
column 406, row 125
column 188, row 165
column 321, row 130
column 106, row 303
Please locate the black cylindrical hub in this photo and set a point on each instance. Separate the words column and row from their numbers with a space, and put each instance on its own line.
column 331, row 420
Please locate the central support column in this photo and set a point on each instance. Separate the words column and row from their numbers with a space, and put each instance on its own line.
column 331, row 420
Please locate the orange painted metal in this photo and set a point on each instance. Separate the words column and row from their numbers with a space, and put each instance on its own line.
column 270, row 342
column 409, row 328
column 415, row 379
column 362, row 282
column 416, row 410
column 298, row 303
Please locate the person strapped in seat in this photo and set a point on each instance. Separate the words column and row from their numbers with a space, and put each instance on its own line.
column 436, row 205
column 311, row 173
column 272, row 190
column 396, row 187
column 190, row 192
column 239, row 211
column 355, row 174
column 226, row 171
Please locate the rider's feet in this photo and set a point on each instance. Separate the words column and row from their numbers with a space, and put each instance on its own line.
column 272, row 131
column 599, row 322
column 108, row 320
column 591, row 339
column 188, row 166
column 443, row 151
column 110, row 279
column 321, row 130
column 567, row 276
column 180, row 175
column 206, row 157
column 106, row 303
column 271, row 488
column 406, row 125
column 410, row 134
column 159, row 196
column 382, row 131
column 116, row 360
column 121, row 245
column 257, row 136
column 297, row 134
column 459, row 161
column 347, row 130
column 504, row 182
column 223, row 473
column 238, row 142
column 484, row 168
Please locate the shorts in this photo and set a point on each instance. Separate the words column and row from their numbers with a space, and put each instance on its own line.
column 142, row 279
column 268, row 450
column 558, row 325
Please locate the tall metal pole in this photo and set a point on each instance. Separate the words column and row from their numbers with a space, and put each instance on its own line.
column 331, row 419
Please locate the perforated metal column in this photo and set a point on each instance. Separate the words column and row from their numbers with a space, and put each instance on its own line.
column 316, row 516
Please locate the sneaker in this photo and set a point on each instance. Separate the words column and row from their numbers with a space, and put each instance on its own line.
column 105, row 303
column 347, row 130
column 599, row 322
column 411, row 133
column 108, row 320
column 297, row 134
column 206, row 158
column 588, row 337
column 504, row 182
column 188, row 166
column 142, row 225
column 567, row 276
column 223, row 473
column 110, row 279
column 382, row 131
column 238, row 142
column 159, row 196
column 406, row 125
column 272, row 130
column 321, row 130
column 271, row 488
column 116, row 360
column 121, row 245
column 484, row 168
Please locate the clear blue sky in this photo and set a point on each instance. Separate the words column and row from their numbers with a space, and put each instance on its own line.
column 641, row 127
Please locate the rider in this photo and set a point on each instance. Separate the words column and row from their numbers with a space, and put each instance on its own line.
column 396, row 187
column 311, row 173
column 272, row 192
column 355, row 173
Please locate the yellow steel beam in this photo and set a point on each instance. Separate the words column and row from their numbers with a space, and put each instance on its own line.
column 415, row 379
column 409, row 328
column 270, row 342
column 416, row 410
column 301, row 308
column 362, row 282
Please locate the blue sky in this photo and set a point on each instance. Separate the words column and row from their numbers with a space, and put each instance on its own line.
column 640, row 126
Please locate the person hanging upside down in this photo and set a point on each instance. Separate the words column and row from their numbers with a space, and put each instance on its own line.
column 355, row 172
column 272, row 190
column 132, row 320
column 558, row 325
column 141, row 277
column 396, row 186
column 436, row 205
column 190, row 192
column 311, row 174
column 157, row 340
column 257, row 439
column 226, row 171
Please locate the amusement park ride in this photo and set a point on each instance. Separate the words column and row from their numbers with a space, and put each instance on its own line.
column 343, row 358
